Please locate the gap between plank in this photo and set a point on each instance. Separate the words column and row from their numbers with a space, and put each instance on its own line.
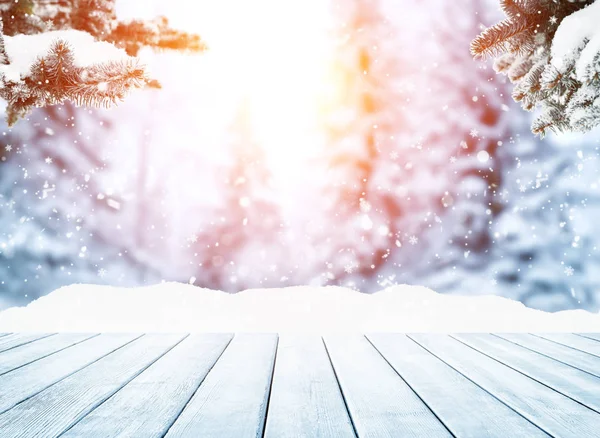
column 528, row 376
column 544, row 354
column 480, row 386
column 583, row 335
column 140, row 371
column 409, row 385
column 340, row 388
column 49, row 354
column 70, row 374
column 566, row 345
column 264, row 424
column 28, row 342
column 176, row 417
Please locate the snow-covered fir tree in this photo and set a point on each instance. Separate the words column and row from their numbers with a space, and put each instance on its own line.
column 361, row 126
column 453, row 173
column 551, row 50
column 52, row 51
column 413, row 198
column 545, row 249
column 62, row 220
column 237, row 246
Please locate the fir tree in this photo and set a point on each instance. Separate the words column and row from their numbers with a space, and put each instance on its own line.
column 58, row 222
column 546, row 248
column 58, row 74
column 456, row 178
column 549, row 49
column 238, row 242
column 361, row 126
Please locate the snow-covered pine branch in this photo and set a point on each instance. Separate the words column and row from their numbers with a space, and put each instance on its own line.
column 98, row 18
column 49, row 68
column 551, row 50
column 77, row 50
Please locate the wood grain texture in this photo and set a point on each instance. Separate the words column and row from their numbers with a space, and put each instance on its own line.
column 573, row 383
column 551, row 411
column 576, row 342
column 449, row 394
column 27, row 381
column 25, row 354
column 14, row 340
column 232, row 400
column 380, row 403
column 305, row 397
column 149, row 404
column 570, row 356
column 51, row 412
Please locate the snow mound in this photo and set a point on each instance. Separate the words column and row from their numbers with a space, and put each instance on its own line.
column 171, row 307
column 24, row 50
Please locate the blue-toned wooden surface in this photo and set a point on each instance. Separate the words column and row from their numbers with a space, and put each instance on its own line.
column 261, row 385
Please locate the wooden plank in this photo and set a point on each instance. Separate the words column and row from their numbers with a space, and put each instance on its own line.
column 17, row 339
column 51, row 412
column 575, row 358
column 573, row 341
column 573, row 383
column 556, row 414
column 27, row 381
column 594, row 336
column 380, row 403
column 450, row 394
column 151, row 402
column 305, row 397
column 232, row 400
column 25, row 354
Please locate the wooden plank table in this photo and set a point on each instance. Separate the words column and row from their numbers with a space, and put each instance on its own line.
column 264, row 385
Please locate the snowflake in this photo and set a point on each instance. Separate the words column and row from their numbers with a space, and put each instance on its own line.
column 48, row 160
column 8, row 148
column 569, row 271
column 553, row 20
column 413, row 240
column 453, row 159
column 102, row 272
column 193, row 238
column 350, row 267
column 522, row 188
column 474, row 133
column 394, row 155
column 494, row 282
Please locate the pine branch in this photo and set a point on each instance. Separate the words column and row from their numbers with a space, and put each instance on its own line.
column 134, row 35
column 520, row 68
column 513, row 8
column 495, row 40
column 4, row 60
column 523, row 43
column 55, row 78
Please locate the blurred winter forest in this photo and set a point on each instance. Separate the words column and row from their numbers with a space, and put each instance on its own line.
column 378, row 153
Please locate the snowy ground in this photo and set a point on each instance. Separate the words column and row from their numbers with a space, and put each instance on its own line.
column 174, row 307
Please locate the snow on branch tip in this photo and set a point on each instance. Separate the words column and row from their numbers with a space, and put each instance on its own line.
column 551, row 52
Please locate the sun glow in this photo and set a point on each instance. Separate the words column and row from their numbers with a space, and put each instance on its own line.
column 273, row 54
column 276, row 52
